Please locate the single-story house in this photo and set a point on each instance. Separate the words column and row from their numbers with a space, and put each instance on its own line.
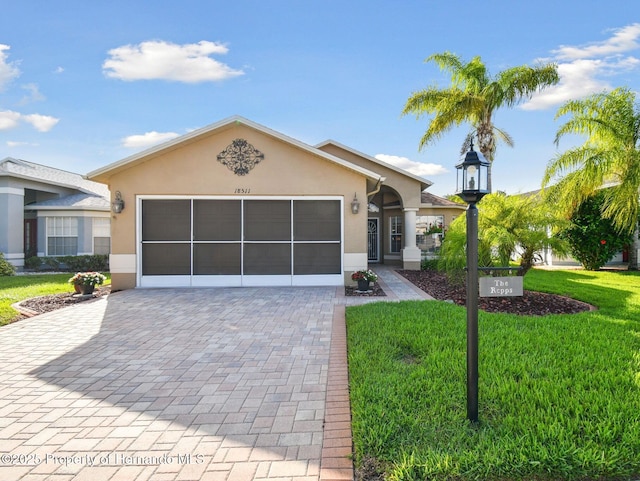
column 50, row 212
column 238, row 204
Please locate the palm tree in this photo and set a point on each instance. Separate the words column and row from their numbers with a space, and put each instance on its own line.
column 473, row 97
column 609, row 157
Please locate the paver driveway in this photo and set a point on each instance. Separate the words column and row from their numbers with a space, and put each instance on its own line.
column 179, row 384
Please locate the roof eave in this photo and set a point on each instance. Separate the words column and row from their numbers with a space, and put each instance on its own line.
column 425, row 183
column 230, row 121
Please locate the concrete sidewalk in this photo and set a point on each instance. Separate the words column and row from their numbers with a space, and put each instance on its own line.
column 182, row 384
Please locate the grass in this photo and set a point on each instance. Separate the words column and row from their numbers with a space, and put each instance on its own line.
column 559, row 396
column 18, row 288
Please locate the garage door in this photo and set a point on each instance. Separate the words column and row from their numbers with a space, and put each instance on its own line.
column 240, row 242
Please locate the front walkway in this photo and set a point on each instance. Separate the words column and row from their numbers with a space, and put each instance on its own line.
column 182, row 384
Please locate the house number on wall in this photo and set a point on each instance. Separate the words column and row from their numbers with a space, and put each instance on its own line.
column 242, row 190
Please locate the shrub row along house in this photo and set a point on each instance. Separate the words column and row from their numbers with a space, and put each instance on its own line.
column 238, row 204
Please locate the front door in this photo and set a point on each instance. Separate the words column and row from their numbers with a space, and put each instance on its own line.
column 30, row 238
column 373, row 240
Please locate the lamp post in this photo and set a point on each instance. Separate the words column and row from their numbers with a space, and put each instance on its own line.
column 471, row 185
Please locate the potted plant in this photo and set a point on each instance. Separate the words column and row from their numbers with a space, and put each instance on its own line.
column 364, row 277
column 85, row 282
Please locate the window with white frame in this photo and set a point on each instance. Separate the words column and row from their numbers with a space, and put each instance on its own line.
column 395, row 231
column 62, row 236
column 101, row 235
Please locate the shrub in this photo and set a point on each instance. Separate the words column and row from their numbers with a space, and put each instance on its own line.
column 98, row 262
column 51, row 263
column 34, row 263
column 593, row 240
column 429, row 264
column 6, row 268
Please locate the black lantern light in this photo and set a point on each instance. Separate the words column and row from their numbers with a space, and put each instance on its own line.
column 472, row 179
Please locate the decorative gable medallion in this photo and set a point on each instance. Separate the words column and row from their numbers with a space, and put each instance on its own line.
column 240, row 157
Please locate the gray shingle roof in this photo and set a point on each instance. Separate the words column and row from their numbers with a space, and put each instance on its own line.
column 19, row 168
column 428, row 198
column 75, row 201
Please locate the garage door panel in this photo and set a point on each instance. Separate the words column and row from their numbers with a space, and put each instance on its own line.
column 217, row 220
column 316, row 220
column 217, row 259
column 267, row 259
column 166, row 220
column 311, row 259
column 166, row 260
column 267, row 220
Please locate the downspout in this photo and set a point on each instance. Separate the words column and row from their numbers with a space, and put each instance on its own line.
column 376, row 188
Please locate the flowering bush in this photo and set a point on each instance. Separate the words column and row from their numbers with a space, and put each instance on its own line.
column 365, row 274
column 87, row 279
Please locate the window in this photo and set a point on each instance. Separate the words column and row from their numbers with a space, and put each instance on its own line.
column 429, row 232
column 395, row 229
column 101, row 235
column 62, row 236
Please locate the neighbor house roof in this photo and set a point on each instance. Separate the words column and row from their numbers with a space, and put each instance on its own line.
column 103, row 173
column 22, row 169
column 432, row 200
column 73, row 202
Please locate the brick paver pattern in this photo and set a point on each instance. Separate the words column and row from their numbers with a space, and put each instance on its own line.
column 181, row 384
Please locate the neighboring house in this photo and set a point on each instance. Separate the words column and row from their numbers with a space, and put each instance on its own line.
column 50, row 212
column 238, row 204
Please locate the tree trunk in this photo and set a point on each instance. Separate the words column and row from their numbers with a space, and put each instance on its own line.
column 633, row 251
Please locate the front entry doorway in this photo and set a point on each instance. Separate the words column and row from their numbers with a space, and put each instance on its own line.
column 373, row 240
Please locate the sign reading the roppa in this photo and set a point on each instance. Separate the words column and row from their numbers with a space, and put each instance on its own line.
column 501, row 286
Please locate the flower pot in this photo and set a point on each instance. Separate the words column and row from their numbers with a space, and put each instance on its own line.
column 86, row 289
column 363, row 285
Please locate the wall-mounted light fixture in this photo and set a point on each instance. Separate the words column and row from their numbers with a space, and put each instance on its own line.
column 355, row 205
column 117, row 205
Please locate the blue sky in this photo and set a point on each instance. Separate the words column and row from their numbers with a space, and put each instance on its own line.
column 84, row 84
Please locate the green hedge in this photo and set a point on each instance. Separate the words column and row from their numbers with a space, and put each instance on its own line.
column 97, row 262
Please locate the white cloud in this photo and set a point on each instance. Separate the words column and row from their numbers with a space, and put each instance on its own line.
column 58, row 70
column 34, row 94
column 585, row 70
column 13, row 143
column 42, row 123
column 10, row 119
column 190, row 63
column 8, row 71
column 624, row 39
column 148, row 139
column 417, row 168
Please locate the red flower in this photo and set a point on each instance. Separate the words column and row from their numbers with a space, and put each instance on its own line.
column 603, row 242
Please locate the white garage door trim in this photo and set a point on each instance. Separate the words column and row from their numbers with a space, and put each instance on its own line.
column 192, row 280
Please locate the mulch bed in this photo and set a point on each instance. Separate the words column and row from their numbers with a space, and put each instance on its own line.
column 531, row 303
column 42, row 304
column 375, row 291
column 432, row 282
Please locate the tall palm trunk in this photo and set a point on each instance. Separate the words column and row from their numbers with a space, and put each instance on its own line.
column 487, row 145
column 633, row 251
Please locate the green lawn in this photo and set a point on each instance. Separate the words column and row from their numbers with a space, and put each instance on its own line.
column 18, row 288
column 559, row 396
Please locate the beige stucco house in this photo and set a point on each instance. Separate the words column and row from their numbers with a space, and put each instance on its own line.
column 238, row 204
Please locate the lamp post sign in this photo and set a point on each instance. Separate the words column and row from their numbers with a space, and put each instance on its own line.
column 511, row 286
